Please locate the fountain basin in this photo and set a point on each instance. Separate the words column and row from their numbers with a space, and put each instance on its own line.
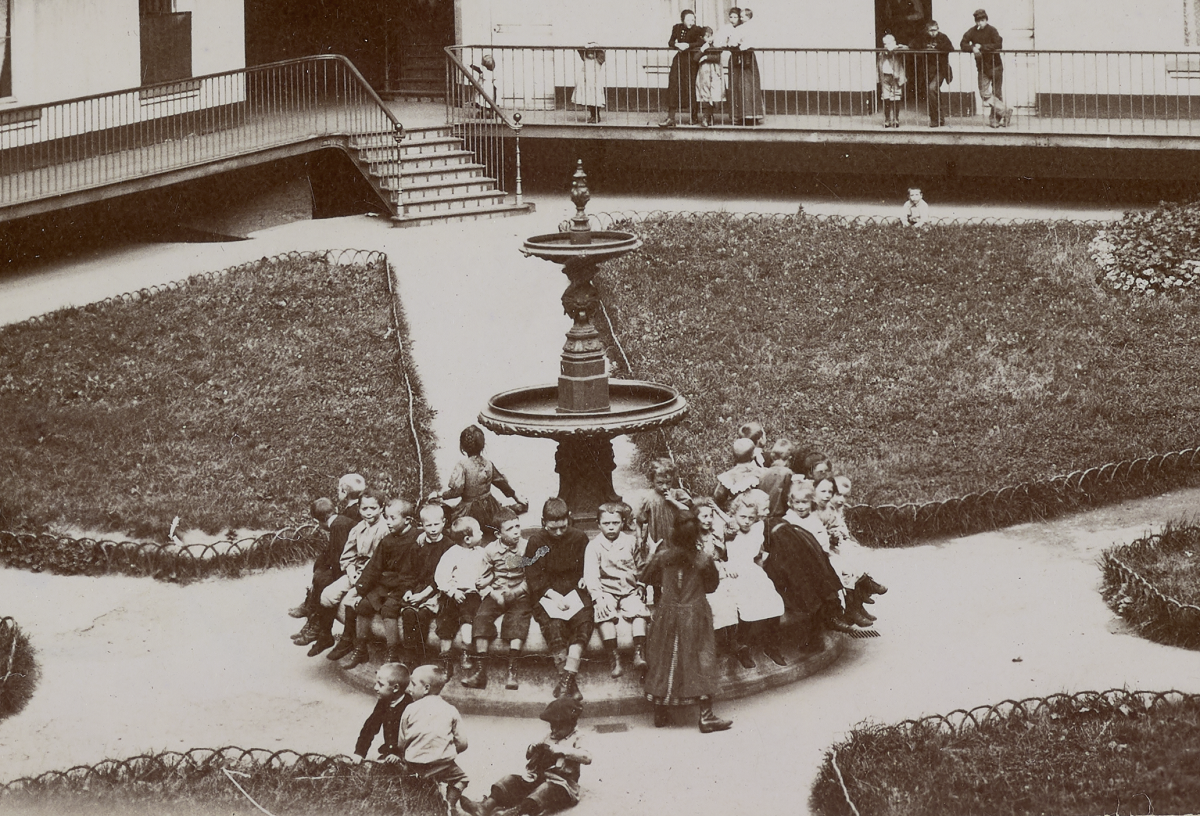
column 602, row 245
column 635, row 406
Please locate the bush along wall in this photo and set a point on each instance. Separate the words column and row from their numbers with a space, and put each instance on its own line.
column 1154, row 584
column 18, row 668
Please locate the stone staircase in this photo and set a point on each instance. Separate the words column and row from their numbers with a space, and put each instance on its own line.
column 429, row 178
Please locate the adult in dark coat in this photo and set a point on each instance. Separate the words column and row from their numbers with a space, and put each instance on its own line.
column 687, row 39
column 681, row 647
column 933, row 68
column 801, row 572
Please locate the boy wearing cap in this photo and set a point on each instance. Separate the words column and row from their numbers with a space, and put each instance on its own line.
column 985, row 42
column 551, row 779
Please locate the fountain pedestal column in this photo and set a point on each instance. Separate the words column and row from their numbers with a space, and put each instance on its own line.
column 585, row 466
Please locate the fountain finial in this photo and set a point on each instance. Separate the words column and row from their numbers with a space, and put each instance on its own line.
column 581, row 230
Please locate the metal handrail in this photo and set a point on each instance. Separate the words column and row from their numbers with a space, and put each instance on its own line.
column 354, row 72
column 492, row 104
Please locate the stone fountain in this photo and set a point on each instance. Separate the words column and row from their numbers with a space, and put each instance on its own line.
column 585, row 410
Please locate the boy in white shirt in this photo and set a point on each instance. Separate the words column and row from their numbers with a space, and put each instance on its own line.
column 611, row 565
column 430, row 735
column 461, row 575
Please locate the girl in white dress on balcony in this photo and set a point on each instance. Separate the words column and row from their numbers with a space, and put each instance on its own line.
column 591, row 91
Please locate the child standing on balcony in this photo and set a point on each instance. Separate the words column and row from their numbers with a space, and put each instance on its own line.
column 710, row 79
column 590, row 91
column 892, row 77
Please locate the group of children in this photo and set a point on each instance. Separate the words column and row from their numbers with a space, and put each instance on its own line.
column 423, row 736
column 767, row 555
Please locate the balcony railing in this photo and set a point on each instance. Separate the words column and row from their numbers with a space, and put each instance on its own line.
column 1050, row 92
column 81, row 144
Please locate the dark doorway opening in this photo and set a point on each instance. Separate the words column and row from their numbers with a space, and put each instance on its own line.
column 374, row 34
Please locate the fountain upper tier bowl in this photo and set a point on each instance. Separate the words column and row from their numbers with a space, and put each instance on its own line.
column 601, row 246
column 635, row 406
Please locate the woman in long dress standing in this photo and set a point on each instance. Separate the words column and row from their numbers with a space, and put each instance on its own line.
column 687, row 39
column 745, row 82
column 591, row 91
column 681, row 649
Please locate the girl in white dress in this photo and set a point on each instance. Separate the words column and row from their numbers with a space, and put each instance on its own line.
column 724, row 605
column 759, row 605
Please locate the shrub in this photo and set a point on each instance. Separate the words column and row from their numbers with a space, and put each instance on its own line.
column 18, row 668
column 1152, row 251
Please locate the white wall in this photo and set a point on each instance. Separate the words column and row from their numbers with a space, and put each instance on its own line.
column 63, row 49
column 1147, row 25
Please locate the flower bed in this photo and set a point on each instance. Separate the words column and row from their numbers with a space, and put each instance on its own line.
column 1154, row 583
column 1078, row 755
column 18, row 668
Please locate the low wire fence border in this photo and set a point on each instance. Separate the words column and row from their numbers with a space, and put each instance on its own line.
column 890, row 525
column 14, row 648
column 1135, row 598
column 287, row 546
column 155, row 768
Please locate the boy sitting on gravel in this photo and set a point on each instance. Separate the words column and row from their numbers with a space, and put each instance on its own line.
column 430, row 737
column 551, row 779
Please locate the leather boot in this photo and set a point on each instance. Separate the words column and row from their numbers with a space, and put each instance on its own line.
column 324, row 627
column 304, row 609
column 743, row 657
column 465, row 666
column 345, row 644
column 477, row 678
column 710, row 722
column 511, row 682
column 639, row 657
column 484, row 807
column 573, row 686
column 831, row 617
column 662, row 716
column 855, row 611
column 617, row 671
column 869, row 586
column 394, row 654
column 447, row 661
column 359, row 656
column 307, row 633
column 560, row 688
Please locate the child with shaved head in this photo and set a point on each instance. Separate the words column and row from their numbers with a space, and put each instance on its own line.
column 391, row 684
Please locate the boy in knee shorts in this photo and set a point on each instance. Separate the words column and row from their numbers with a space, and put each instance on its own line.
column 509, row 596
column 461, row 576
column 360, row 546
column 431, row 734
column 611, row 565
column 383, row 580
column 551, row 779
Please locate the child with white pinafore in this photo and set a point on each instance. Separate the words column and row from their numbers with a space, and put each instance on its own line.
column 759, row 605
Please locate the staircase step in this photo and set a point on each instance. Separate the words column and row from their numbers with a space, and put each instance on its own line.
column 361, row 141
column 453, row 158
column 480, row 213
column 460, row 203
column 408, row 149
column 412, row 194
column 430, row 177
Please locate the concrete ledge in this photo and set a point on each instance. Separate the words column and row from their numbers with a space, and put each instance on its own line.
column 604, row 696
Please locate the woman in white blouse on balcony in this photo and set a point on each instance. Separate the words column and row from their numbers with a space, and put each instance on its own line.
column 745, row 83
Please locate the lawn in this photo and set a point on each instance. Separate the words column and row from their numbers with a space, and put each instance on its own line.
column 1170, row 563
column 230, row 402
column 1070, row 759
column 928, row 365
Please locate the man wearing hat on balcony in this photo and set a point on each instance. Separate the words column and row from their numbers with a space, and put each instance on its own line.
column 985, row 42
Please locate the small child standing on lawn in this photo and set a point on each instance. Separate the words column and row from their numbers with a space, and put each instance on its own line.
column 509, row 596
column 611, row 566
column 391, row 684
column 430, row 735
column 461, row 575
column 551, row 779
